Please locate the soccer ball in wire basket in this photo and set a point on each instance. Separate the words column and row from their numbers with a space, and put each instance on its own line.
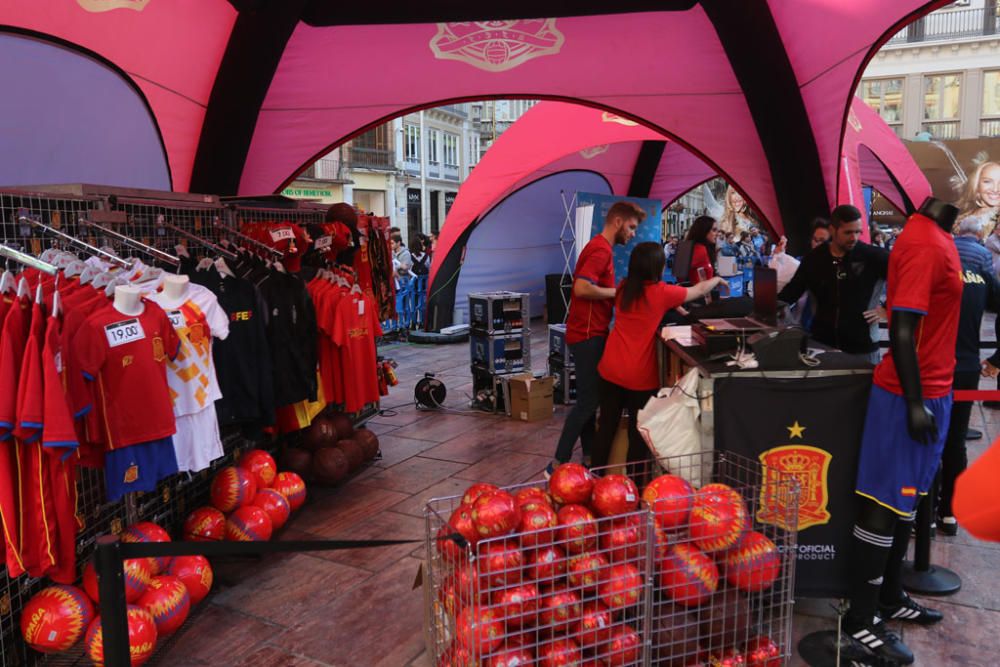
column 638, row 569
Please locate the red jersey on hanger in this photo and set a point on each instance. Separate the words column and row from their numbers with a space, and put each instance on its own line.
column 354, row 330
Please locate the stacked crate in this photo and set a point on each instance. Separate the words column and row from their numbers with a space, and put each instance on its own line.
column 562, row 365
column 499, row 341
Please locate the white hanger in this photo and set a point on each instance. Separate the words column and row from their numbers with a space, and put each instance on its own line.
column 39, row 294
column 7, row 282
column 102, row 279
column 223, row 268
column 205, row 264
column 23, row 290
column 109, row 290
column 74, row 268
column 89, row 274
column 149, row 275
column 182, row 251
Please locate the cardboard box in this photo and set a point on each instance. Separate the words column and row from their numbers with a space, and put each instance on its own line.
column 530, row 397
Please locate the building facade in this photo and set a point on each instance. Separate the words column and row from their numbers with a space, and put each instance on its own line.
column 491, row 117
column 940, row 77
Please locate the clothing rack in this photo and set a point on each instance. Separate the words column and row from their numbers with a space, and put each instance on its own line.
column 27, row 260
column 160, row 222
column 138, row 245
column 262, row 246
column 24, row 217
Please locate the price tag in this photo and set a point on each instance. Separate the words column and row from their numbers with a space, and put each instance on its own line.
column 121, row 333
column 176, row 318
column 282, row 234
column 323, row 242
column 361, row 307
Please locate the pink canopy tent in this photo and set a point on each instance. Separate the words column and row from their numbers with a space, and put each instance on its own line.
column 246, row 93
column 557, row 137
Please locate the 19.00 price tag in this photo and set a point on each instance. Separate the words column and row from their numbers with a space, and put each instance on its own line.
column 124, row 332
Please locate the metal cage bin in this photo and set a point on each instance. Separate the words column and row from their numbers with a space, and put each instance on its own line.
column 651, row 585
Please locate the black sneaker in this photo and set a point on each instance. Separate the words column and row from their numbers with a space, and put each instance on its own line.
column 973, row 434
column 911, row 611
column 947, row 526
column 883, row 643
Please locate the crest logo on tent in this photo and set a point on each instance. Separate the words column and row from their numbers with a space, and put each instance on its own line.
column 108, row 5
column 594, row 151
column 852, row 120
column 612, row 118
column 497, row 46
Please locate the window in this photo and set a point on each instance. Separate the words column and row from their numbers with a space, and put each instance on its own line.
column 433, row 139
column 377, row 139
column 989, row 125
column 885, row 96
column 450, row 150
column 473, row 149
column 942, row 97
column 412, row 134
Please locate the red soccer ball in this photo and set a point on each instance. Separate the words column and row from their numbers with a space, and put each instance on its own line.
column 196, row 574
column 614, row 494
column 546, row 565
column 559, row 610
column 559, row 653
column 577, row 529
column 595, row 625
column 513, row 656
column 729, row 658
column 518, row 606
column 717, row 525
column 291, row 487
column 753, row 564
column 205, row 524
column 586, row 571
column 460, row 522
column 141, row 637
column 232, row 487
column 473, row 493
column 761, row 651
column 622, row 587
column 623, row 648
column 276, row 506
column 479, row 630
column 469, row 585
column 138, row 573
column 495, row 514
column 671, row 498
column 456, row 655
column 687, row 575
column 571, row 484
column 168, row 601
column 55, row 618
column 537, row 524
column 248, row 524
column 261, row 465
column 718, row 493
column 531, row 495
column 623, row 541
column 499, row 564
column 147, row 531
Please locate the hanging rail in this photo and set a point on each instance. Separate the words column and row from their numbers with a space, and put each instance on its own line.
column 161, row 222
column 27, row 260
column 131, row 242
column 24, row 217
column 263, row 246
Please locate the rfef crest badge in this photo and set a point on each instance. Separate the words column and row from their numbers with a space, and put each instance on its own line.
column 594, row 151
column 497, row 46
column 810, row 467
column 97, row 6
column 614, row 118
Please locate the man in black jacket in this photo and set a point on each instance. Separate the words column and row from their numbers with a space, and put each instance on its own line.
column 842, row 277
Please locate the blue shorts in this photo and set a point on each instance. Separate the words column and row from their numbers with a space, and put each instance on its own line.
column 893, row 469
column 138, row 467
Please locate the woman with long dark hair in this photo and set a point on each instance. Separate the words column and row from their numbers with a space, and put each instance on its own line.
column 702, row 233
column 628, row 368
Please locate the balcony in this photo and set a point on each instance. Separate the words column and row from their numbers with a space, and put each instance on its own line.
column 945, row 25
column 941, row 129
column 324, row 169
column 379, row 159
column 989, row 127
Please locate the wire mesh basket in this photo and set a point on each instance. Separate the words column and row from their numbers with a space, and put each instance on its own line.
column 656, row 571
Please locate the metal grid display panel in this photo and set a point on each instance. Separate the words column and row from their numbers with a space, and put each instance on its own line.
column 62, row 213
column 668, row 633
column 147, row 222
column 241, row 215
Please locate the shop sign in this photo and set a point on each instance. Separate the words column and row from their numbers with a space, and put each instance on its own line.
column 307, row 193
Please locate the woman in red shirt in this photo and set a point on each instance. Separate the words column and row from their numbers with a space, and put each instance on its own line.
column 628, row 368
column 703, row 232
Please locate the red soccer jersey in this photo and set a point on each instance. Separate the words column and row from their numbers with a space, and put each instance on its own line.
column 589, row 318
column 125, row 356
column 700, row 260
column 330, row 355
column 12, row 342
column 925, row 276
column 629, row 358
column 354, row 331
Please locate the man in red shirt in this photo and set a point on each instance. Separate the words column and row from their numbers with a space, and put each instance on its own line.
column 905, row 427
column 588, row 321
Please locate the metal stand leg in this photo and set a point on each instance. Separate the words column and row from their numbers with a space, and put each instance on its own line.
column 920, row 575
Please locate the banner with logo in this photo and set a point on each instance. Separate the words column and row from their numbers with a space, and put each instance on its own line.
column 651, row 229
column 811, row 428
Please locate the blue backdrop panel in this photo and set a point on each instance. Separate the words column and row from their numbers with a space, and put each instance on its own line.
column 517, row 242
column 651, row 229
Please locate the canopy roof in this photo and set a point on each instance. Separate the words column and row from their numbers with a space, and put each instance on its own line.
column 246, row 93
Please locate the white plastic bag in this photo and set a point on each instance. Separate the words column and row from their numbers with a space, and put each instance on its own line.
column 669, row 425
